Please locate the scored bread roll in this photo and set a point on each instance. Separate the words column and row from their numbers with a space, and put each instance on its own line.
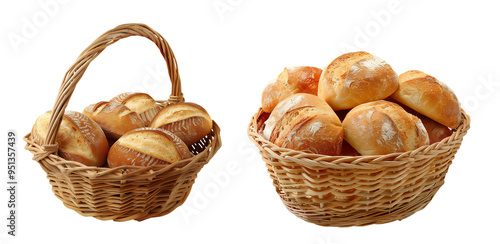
column 141, row 103
column 382, row 127
column 147, row 146
column 306, row 123
column 292, row 103
column 115, row 119
column 428, row 96
column 299, row 79
column 355, row 78
column 188, row 121
column 435, row 130
column 79, row 138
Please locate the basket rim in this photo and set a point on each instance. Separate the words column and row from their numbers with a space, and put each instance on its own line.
column 123, row 171
column 352, row 162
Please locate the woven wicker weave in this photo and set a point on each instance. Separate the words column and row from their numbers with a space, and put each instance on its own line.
column 126, row 192
column 355, row 191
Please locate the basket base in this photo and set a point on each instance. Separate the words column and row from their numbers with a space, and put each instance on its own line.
column 159, row 210
column 360, row 217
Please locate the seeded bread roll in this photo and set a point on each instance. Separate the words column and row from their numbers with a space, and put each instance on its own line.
column 306, row 123
column 356, row 78
column 188, row 121
column 382, row 127
column 300, row 79
column 141, row 103
column 79, row 138
column 430, row 97
column 147, row 146
column 115, row 119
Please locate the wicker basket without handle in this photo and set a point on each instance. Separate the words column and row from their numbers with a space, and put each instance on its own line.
column 126, row 192
column 347, row 191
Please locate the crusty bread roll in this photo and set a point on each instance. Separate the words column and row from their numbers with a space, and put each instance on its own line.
column 147, row 146
column 141, row 103
column 79, row 138
column 299, row 79
column 306, row 123
column 188, row 121
column 435, row 130
column 356, row 78
column 115, row 119
column 382, row 127
column 429, row 96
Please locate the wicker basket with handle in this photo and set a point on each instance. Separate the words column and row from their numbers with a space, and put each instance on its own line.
column 126, row 192
column 356, row 190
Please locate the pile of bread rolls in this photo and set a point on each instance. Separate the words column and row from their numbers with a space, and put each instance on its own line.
column 357, row 105
column 129, row 129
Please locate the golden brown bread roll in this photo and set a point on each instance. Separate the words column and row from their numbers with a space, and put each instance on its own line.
column 188, row 121
column 435, row 130
column 141, row 103
column 428, row 96
column 115, row 119
column 306, row 123
column 300, row 79
column 79, row 138
column 382, row 127
column 356, row 78
column 147, row 146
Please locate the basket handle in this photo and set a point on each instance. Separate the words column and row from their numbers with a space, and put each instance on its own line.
column 76, row 71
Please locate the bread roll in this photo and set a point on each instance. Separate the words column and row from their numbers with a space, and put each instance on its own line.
column 306, row 123
column 382, row 127
column 435, row 130
column 79, row 138
column 115, row 119
column 147, row 146
column 300, row 79
column 356, row 78
column 188, row 121
column 428, row 96
column 141, row 103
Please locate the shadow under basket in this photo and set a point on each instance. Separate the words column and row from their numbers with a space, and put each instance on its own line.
column 125, row 192
column 347, row 191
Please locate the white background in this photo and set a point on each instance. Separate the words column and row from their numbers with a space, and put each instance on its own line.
column 227, row 51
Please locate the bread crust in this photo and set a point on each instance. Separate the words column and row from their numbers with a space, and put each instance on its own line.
column 382, row 127
column 189, row 121
column 306, row 123
column 292, row 80
column 430, row 97
column 147, row 146
column 114, row 118
column 355, row 78
column 79, row 138
column 141, row 103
